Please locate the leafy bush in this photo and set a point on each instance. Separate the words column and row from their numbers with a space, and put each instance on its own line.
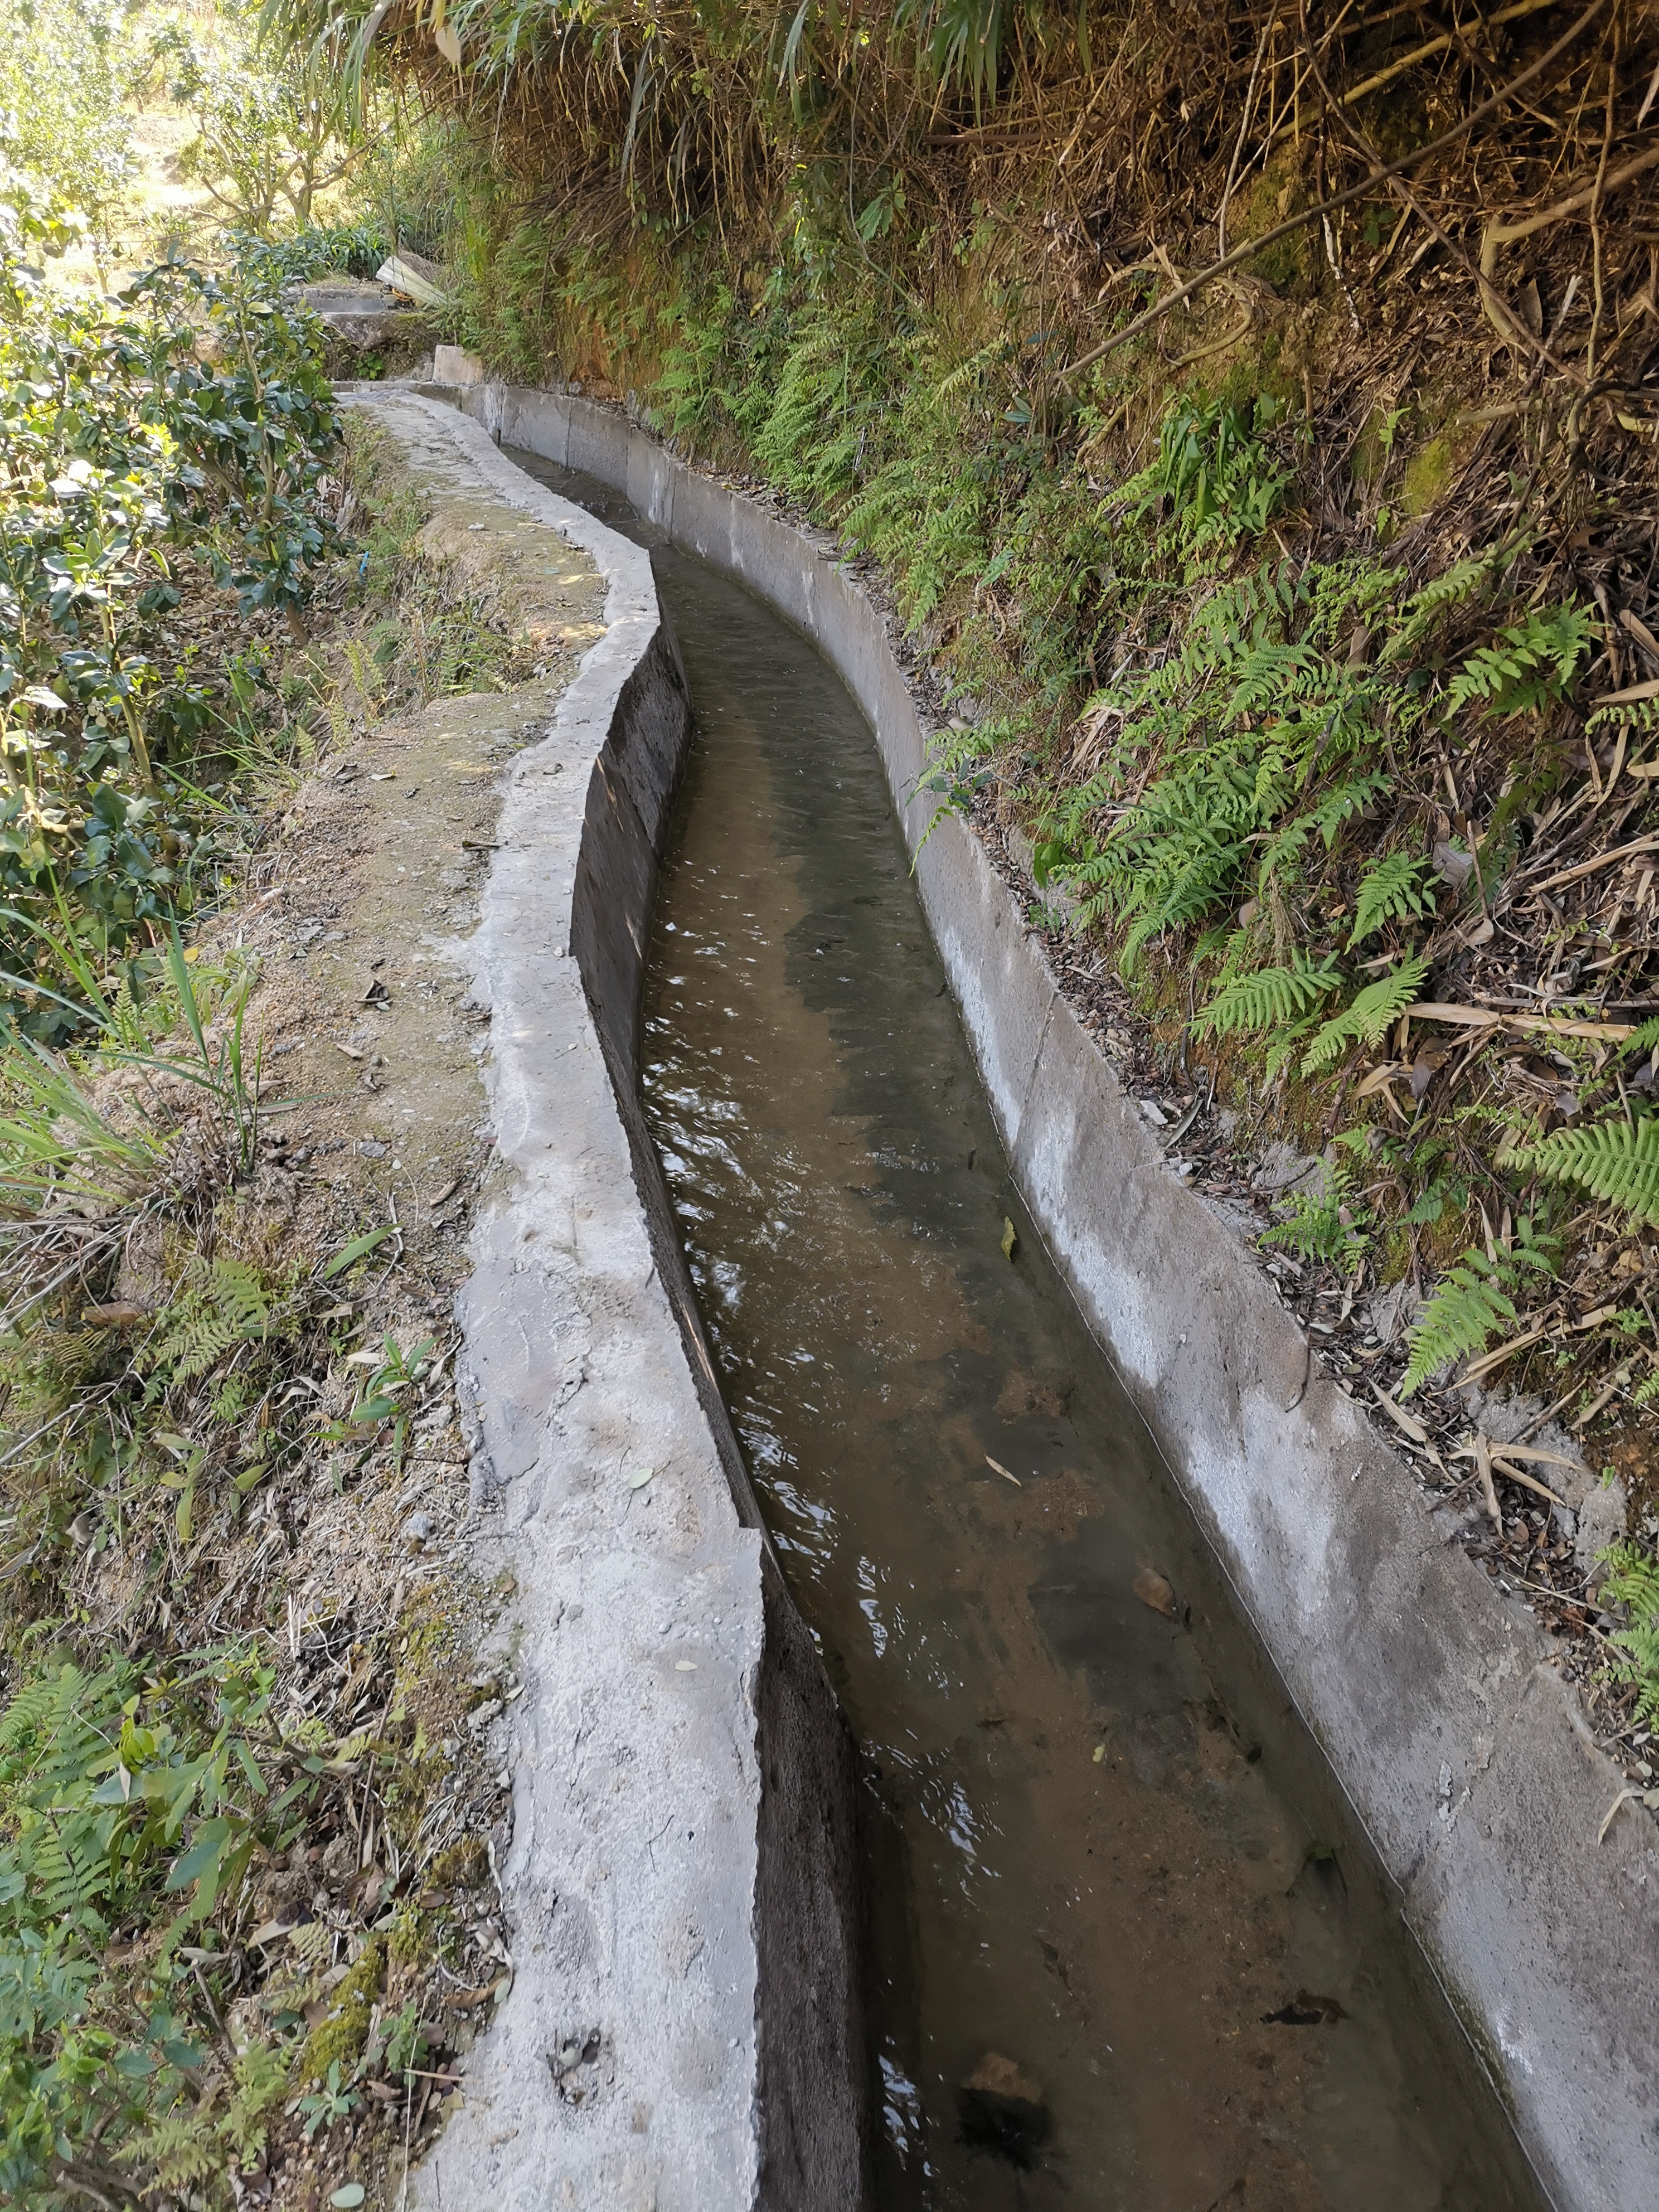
column 64, row 65
column 185, row 426
column 298, row 257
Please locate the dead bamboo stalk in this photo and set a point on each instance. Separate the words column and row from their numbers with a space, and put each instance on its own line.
column 1381, row 175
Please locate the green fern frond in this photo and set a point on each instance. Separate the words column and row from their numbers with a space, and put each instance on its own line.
column 1646, row 1039
column 1531, row 661
column 1282, row 848
column 1376, row 1008
column 222, row 1305
column 179, row 2148
column 1455, row 586
column 1466, row 1312
column 1329, row 1224
column 1395, row 889
column 1474, row 1302
column 1286, row 1043
column 963, row 373
column 1452, row 587
column 1635, row 713
column 1615, row 1160
column 1633, row 1582
column 1268, row 997
column 260, row 2078
column 1347, row 799
column 313, row 1943
column 33, row 1711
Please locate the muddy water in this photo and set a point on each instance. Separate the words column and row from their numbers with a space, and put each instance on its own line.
column 1124, row 1950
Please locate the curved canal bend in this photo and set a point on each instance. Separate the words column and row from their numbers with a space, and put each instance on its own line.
column 1125, row 1949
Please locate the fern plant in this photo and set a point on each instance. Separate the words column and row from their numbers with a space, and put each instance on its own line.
column 128, row 1798
column 1464, row 582
column 1327, row 1224
column 1269, row 998
column 1640, row 716
column 223, row 1303
column 1260, row 702
column 178, row 2148
column 1615, row 1160
column 1368, row 1015
column 1397, row 888
column 1633, row 1582
column 259, row 2084
column 1531, row 662
column 1475, row 1301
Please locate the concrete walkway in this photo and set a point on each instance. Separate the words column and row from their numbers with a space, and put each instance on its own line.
column 682, row 2032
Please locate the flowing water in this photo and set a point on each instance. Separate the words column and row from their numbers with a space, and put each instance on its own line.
column 1125, row 1948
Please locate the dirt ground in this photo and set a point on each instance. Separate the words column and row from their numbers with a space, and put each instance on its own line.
column 356, row 1565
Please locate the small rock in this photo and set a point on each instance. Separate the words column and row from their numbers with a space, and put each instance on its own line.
column 373, row 1151
column 481, row 1716
column 1002, row 2110
column 1305, row 2009
column 1454, row 864
column 339, row 1861
column 998, row 2076
column 1392, row 1310
column 418, row 1528
column 1151, row 1589
column 1283, row 1170
column 1153, row 1112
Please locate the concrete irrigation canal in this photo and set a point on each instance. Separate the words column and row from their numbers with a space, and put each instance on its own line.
column 996, row 1731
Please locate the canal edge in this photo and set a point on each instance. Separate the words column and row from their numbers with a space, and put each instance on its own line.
column 684, row 2025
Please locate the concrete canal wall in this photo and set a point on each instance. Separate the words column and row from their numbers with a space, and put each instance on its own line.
column 1467, row 1761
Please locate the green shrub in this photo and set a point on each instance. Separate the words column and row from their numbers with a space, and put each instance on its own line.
column 186, row 424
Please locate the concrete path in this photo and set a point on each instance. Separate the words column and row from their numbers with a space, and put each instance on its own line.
column 682, row 2031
